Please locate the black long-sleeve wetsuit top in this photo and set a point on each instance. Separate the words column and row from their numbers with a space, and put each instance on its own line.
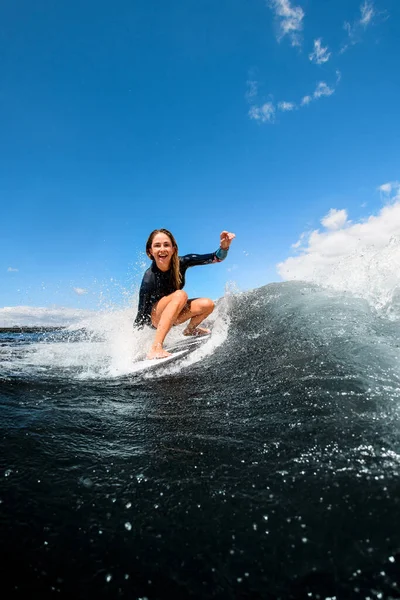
column 156, row 284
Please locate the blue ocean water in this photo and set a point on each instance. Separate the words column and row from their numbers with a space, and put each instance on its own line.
column 264, row 464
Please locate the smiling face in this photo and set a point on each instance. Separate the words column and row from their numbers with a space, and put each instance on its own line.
column 162, row 250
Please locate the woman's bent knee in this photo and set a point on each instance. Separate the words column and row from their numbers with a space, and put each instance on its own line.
column 210, row 304
column 181, row 295
column 207, row 305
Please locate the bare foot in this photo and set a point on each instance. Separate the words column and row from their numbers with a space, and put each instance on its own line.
column 157, row 352
column 197, row 331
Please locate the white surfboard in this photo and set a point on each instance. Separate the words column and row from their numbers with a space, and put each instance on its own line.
column 145, row 365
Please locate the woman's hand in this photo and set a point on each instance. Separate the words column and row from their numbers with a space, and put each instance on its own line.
column 225, row 239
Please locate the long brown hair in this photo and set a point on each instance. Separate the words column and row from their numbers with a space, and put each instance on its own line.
column 174, row 271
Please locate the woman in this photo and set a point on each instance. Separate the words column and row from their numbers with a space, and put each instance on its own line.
column 162, row 302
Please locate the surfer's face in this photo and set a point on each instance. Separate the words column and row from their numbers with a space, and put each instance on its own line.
column 162, row 251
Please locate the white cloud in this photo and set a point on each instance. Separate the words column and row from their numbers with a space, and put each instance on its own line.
column 354, row 30
column 322, row 89
column 286, row 106
column 306, row 100
column 12, row 270
column 258, row 111
column 351, row 38
column 290, row 19
column 264, row 113
column 367, row 13
column 80, row 291
column 350, row 30
column 389, row 187
column 362, row 257
column 299, row 241
column 252, row 89
column 320, row 54
column 335, row 219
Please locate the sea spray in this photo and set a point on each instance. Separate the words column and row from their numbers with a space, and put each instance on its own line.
column 361, row 258
column 106, row 345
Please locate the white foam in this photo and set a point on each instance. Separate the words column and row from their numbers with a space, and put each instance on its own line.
column 106, row 345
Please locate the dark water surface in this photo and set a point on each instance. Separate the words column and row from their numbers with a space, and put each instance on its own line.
column 269, row 469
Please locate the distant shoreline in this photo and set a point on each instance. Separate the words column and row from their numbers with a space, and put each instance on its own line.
column 33, row 329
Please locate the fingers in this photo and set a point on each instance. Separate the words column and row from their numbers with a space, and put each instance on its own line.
column 227, row 236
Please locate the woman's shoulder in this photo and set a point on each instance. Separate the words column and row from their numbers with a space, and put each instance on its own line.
column 149, row 274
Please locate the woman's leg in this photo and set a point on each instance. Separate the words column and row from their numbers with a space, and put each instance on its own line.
column 163, row 316
column 174, row 310
column 196, row 310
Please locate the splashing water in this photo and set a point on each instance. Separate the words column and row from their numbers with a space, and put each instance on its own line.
column 105, row 345
column 362, row 258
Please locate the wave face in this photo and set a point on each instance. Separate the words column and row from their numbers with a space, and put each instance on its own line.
column 264, row 464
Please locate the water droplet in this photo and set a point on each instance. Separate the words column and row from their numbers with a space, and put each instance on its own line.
column 86, row 482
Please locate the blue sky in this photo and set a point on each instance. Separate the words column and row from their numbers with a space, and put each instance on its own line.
column 116, row 118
